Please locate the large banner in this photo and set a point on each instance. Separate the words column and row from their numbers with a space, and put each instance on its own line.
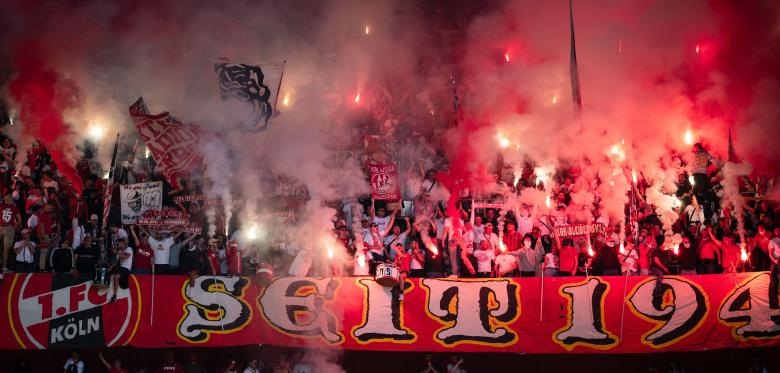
column 384, row 182
column 528, row 315
column 173, row 144
column 137, row 199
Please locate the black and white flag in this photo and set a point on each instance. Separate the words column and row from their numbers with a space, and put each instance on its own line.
column 257, row 86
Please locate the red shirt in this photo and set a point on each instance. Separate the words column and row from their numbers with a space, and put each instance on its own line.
column 513, row 241
column 567, row 259
column 708, row 250
column 8, row 214
column 143, row 257
column 234, row 260
column 212, row 257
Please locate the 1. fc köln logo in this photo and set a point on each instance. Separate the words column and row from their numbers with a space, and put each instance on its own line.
column 61, row 311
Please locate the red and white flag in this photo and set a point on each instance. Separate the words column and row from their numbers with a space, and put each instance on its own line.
column 173, row 145
column 384, row 182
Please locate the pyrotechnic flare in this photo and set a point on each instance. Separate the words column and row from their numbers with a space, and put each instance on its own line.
column 367, row 30
column 691, row 180
column 361, row 260
column 286, row 99
column 330, row 253
column 506, row 57
column 501, row 246
column 502, row 141
column 743, row 256
column 633, row 177
column 698, row 49
column 357, row 98
column 688, row 137
column 547, row 202
column 676, row 249
column 96, row 131
column 622, row 249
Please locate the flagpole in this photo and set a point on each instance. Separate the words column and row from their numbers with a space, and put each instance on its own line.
column 573, row 69
column 109, row 193
column 279, row 86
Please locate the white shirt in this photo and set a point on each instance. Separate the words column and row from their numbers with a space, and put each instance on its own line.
column 485, row 260
column 120, row 233
column 392, row 239
column 694, row 215
column 128, row 262
column 251, row 370
column 26, row 255
column 32, row 222
column 79, row 365
column 524, row 224
column 479, row 234
column 774, row 248
column 302, row 368
column 506, row 262
column 162, row 249
column 381, row 223
column 413, row 262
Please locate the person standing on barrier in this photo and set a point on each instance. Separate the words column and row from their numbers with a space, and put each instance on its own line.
column 774, row 257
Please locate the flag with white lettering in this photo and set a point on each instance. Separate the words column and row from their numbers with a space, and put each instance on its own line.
column 173, row 145
column 256, row 86
column 384, row 182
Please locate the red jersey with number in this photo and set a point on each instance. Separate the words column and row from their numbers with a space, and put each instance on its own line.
column 8, row 214
column 143, row 257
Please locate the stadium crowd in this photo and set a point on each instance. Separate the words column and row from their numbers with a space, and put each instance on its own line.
column 47, row 226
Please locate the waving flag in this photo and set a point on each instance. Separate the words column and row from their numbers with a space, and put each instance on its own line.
column 255, row 85
column 172, row 144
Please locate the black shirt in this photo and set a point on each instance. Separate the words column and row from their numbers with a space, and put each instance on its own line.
column 87, row 259
column 191, row 259
column 62, row 260
column 607, row 258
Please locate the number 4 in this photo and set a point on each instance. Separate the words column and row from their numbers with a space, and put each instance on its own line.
column 746, row 309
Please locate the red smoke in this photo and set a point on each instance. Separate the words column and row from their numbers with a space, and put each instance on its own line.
column 42, row 96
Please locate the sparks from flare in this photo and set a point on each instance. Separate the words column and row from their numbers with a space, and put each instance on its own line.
column 286, row 99
column 506, row 57
column 147, row 153
column 691, row 180
column 367, row 29
column 633, row 177
column 501, row 246
column 547, row 202
column 743, row 256
column 330, row 253
column 698, row 49
column 357, row 98
column 676, row 249
column 622, row 249
column 554, row 99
